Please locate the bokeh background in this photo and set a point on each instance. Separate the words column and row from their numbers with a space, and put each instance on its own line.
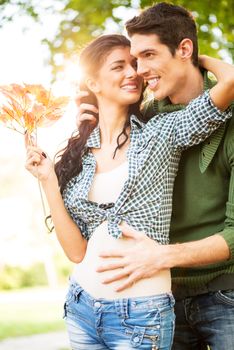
column 39, row 43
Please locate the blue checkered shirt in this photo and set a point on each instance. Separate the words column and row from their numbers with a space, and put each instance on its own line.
column 145, row 201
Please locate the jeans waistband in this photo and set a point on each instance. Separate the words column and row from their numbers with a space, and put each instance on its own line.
column 122, row 304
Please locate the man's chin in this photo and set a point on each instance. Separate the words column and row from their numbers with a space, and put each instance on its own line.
column 159, row 95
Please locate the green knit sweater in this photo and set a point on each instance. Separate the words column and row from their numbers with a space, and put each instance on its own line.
column 203, row 200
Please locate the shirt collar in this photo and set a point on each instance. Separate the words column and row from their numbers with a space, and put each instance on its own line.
column 94, row 139
column 135, row 123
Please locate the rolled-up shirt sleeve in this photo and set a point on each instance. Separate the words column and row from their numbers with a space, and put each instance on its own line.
column 197, row 121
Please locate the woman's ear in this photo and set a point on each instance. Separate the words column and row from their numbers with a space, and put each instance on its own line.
column 92, row 85
column 185, row 49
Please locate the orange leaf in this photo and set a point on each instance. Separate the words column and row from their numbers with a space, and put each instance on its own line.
column 29, row 106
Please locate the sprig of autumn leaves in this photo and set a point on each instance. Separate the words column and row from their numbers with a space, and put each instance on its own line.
column 27, row 107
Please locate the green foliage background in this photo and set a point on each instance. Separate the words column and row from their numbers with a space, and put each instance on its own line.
column 81, row 20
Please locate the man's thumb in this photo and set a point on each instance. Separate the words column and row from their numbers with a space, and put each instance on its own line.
column 129, row 231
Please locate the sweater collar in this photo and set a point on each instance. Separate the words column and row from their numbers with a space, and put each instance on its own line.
column 165, row 105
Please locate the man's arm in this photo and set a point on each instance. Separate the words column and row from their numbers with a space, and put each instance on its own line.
column 228, row 232
column 146, row 257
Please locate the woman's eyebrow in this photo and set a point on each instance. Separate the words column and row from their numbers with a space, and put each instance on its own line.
column 118, row 61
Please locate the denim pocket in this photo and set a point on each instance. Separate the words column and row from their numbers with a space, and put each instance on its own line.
column 143, row 324
column 72, row 297
column 140, row 335
column 226, row 297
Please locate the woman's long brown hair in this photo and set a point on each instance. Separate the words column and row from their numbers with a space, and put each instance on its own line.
column 91, row 60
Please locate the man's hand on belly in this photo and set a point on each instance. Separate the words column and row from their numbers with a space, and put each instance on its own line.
column 144, row 259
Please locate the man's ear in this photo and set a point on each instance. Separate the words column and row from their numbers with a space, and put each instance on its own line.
column 185, row 49
column 92, row 85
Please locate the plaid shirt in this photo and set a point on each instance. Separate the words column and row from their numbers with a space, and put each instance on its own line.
column 145, row 201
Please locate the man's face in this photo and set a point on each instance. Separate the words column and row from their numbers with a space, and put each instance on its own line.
column 163, row 72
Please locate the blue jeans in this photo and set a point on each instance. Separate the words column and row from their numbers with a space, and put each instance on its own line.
column 207, row 319
column 122, row 324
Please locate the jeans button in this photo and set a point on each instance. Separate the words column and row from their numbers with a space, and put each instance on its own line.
column 136, row 339
column 97, row 304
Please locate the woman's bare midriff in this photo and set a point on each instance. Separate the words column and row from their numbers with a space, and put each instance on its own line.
column 86, row 275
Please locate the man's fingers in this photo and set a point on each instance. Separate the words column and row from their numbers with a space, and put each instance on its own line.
column 116, row 277
column 130, row 232
column 111, row 266
column 112, row 253
column 127, row 283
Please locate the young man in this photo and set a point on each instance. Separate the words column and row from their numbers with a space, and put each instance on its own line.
column 201, row 253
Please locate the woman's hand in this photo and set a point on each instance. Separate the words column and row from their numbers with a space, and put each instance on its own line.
column 84, row 110
column 222, row 94
column 38, row 163
column 202, row 59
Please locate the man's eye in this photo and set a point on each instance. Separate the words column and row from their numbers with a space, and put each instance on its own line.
column 148, row 54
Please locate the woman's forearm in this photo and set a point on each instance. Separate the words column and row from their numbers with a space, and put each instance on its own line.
column 68, row 234
column 222, row 94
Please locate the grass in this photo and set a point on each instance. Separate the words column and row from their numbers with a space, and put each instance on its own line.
column 28, row 312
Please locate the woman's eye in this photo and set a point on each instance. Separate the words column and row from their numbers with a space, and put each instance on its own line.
column 117, row 67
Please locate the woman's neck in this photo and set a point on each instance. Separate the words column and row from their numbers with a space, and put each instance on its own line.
column 111, row 122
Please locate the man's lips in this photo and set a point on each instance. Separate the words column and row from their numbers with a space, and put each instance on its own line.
column 152, row 83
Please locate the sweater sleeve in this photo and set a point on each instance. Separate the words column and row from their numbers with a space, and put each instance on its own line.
column 228, row 232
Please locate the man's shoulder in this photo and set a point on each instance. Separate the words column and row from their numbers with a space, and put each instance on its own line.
column 229, row 134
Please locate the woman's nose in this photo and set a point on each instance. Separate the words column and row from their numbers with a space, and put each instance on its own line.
column 131, row 72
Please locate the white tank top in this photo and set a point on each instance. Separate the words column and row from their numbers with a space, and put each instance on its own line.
column 106, row 188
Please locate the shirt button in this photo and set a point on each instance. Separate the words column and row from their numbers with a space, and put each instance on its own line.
column 97, row 304
column 136, row 339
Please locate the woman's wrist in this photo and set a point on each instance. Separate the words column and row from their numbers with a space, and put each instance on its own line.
column 50, row 182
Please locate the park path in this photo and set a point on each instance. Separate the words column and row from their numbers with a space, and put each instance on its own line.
column 46, row 341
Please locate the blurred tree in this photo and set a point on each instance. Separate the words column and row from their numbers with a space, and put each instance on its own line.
column 81, row 20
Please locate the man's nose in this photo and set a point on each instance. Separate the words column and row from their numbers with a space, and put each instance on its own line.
column 141, row 68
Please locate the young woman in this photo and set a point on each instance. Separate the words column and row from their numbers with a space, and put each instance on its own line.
column 120, row 171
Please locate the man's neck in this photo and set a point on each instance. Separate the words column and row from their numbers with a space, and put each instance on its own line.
column 190, row 88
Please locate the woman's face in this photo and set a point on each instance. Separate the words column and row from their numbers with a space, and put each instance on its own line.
column 117, row 79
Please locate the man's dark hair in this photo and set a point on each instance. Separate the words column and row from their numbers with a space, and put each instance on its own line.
column 170, row 23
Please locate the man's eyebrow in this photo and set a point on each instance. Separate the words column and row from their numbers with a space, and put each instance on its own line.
column 146, row 51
